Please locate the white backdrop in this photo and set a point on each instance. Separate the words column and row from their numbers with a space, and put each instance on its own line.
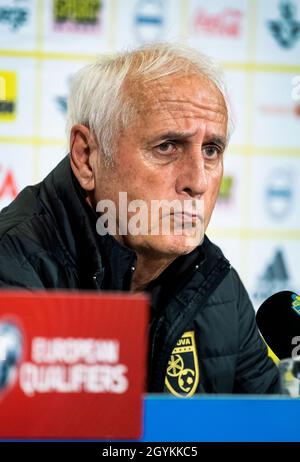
column 257, row 219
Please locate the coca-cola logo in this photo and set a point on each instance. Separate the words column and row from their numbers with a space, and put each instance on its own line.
column 226, row 23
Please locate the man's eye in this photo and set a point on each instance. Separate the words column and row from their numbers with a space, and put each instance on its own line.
column 212, row 151
column 166, row 148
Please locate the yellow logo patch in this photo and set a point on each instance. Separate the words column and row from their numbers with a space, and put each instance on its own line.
column 8, row 95
column 182, row 377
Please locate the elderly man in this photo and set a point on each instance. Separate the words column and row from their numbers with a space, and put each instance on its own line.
column 149, row 126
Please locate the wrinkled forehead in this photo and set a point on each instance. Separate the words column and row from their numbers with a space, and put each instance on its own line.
column 194, row 96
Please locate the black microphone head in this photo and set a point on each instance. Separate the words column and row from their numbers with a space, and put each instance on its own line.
column 278, row 320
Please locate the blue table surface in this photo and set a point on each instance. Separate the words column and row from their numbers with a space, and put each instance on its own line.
column 222, row 418
column 218, row 418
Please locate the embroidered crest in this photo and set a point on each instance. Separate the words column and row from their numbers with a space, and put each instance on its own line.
column 182, row 376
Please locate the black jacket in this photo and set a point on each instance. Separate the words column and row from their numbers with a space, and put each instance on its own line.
column 202, row 336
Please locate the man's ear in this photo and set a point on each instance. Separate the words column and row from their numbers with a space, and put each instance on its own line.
column 82, row 148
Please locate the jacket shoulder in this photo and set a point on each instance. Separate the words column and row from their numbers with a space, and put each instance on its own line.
column 20, row 211
column 26, row 240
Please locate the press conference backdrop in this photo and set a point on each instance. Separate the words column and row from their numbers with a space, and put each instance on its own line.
column 257, row 219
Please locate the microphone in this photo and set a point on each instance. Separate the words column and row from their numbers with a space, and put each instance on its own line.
column 278, row 320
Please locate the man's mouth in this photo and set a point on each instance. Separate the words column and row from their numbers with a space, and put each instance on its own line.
column 188, row 217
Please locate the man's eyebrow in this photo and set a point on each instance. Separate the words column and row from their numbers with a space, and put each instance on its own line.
column 175, row 135
column 220, row 140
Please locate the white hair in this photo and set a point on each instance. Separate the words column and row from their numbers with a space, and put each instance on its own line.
column 98, row 96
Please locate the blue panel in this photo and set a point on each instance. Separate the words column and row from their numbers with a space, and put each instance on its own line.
column 222, row 419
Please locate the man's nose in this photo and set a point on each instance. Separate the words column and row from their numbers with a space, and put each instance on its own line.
column 193, row 176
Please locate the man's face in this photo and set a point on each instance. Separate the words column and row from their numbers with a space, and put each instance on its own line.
column 173, row 150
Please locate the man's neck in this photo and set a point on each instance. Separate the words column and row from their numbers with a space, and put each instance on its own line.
column 147, row 269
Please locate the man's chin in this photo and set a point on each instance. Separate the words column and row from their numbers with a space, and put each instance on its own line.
column 175, row 245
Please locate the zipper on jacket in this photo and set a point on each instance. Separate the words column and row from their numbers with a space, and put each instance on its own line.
column 98, row 278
